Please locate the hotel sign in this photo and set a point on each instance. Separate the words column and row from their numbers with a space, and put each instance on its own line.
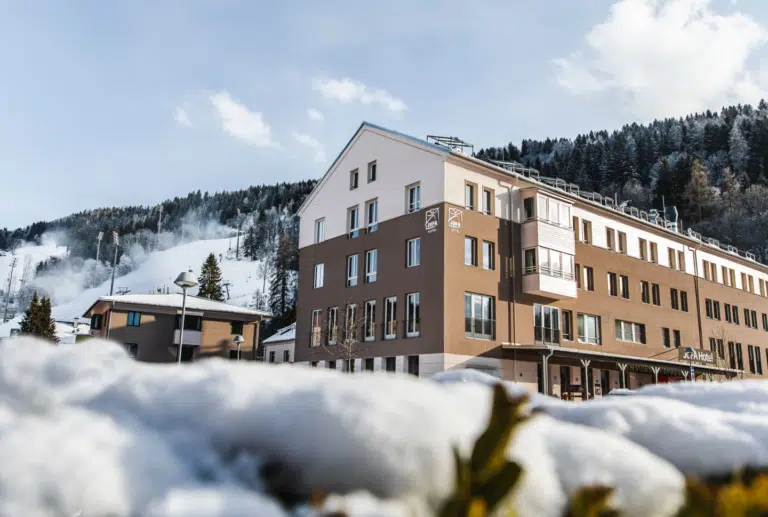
column 454, row 219
column 432, row 219
column 696, row 355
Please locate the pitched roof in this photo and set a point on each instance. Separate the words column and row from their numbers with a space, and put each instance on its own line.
column 174, row 301
column 284, row 334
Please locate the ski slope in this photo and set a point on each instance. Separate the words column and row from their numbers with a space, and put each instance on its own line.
column 27, row 256
column 157, row 271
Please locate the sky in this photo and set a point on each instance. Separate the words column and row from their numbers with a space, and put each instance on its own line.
column 130, row 102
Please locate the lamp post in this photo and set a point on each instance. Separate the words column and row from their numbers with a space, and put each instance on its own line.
column 238, row 341
column 185, row 280
column 116, row 241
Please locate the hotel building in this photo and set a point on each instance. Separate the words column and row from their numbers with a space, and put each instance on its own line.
column 416, row 257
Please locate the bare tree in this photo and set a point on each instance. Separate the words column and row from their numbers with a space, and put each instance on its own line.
column 719, row 338
column 345, row 338
column 265, row 269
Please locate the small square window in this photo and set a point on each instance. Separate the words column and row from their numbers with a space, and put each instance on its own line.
column 134, row 319
column 236, row 328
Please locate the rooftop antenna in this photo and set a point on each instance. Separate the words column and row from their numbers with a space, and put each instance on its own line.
column 453, row 143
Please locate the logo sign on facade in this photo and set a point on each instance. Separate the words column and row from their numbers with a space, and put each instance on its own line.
column 432, row 219
column 454, row 218
column 696, row 355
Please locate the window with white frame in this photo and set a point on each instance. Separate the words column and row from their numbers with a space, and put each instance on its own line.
column 487, row 202
column 319, row 274
column 372, row 215
column 369, row 324
column 413, row 198
column 352, row 267
column 333, row 325
column 546, row 324
column 479, row 320
column 390, row 317
column 528, row 211
column 412, row 314
column 351, row 324
column 551, row 210
column 413, row 252
column 315, row 330
column 353, row 222
column 630, row 331
column 469, row 196
column 371, row 265
column 530, row 261
column 588, row 328
column 372, row 171
column 470, row 251
column 489, row 255
column 320, row 230
column 550, row 262
column 353, row 179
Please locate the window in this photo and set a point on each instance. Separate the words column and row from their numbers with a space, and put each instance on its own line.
column 134, row 319
column 586, row 232
column 479, row 319
column 589, row 278
column 348, row 365
column 705, row 268
column 368, row 365
column 726, row 278
column 567, row 325
column 610, row 239
column 319, row 230
column 754, row 319
column 716, row 307
column 96, row 322
column 272, row 356
column 528, row 208
column 315, row 329
column 530, row 261
column 713, row 274
column 412, row 315
column 369, row 322
column 739, row 357
column 390, row 364
column 236, row 328
column 674, row 299
column 413, row 198
column 414, row 252
column 413, row 365
column 751, row 283
column 732, row 354
column 684, row 301
column 351, row 323
column 319, row 275
column 576, row 227
column 487, row 202
column 372, row 215
column 720, row 349
column 746, row 317
column 286, row 356
column 550, row 262
column 132, row 349
column 313, row 364
column 613, row 285
column 371, row 265
column 743, row 281
column 470, row 251
column 352, row 270
column 390, row 317
column 654, row 253
column 488, row 255
column 546, row 324
column 469, row 196
column 622, row 243
column 735, row 314
column 762, row 287
column 656, row 294
column 732, row 274
column 708, row 308
column 751, row 354
column 671, row 258
column 353, row 222
column 588, row 328
column 630, row 332
column 577, row 274
column 333, row 325
column 728, row 313
column 645, row 292
column 190, row 322
column 758, row 360
column 665, row 337
column 643, row 244
column 681, row 261
column 353, row 177
column 372, row 171
column 676, row 334
column 625, row 287
column 331, row 365
column 765, row 321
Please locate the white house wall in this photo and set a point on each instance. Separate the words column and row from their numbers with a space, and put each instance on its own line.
column 455, row 178
column 399, row 163
column 279, row 349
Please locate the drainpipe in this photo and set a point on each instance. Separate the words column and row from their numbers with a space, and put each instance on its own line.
column 511, row 308
column 696, row 291
column 545, row 369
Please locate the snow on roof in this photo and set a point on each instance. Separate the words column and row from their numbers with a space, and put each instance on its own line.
column 174, row 301
column 284, row 334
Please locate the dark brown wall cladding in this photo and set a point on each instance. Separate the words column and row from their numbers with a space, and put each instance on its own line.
column 393, row 279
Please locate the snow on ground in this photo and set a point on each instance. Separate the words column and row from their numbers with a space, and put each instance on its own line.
column 32, row 255
column 88, row 429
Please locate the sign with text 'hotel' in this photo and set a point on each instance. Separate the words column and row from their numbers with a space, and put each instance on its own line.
column 454, row 218
column 432, row 219
column 696, row 355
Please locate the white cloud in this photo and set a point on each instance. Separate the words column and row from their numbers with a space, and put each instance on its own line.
column 315, row 115
column 670, row 57
column 240, row 122
column 347, row 90
column 182, row 117
column 313, row 144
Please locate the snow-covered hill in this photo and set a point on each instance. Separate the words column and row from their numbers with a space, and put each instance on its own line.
column 26, row 257
column 157, row 271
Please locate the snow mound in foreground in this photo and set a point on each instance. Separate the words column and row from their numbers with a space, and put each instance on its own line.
column 87, row 429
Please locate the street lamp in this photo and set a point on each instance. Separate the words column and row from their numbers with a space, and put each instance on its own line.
column 238, row 341
column 185, row 280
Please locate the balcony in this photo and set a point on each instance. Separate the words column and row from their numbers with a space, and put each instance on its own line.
column 191, row 337
column 552, row 283
column 538, row 232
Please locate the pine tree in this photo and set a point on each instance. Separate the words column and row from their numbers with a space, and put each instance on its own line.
column 30, row 322
column 37, row 320
column 210, row 280
column 282, row 286
column 47, row 323
column 699, row 194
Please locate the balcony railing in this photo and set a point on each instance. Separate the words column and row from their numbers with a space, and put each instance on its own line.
column 548, row 271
